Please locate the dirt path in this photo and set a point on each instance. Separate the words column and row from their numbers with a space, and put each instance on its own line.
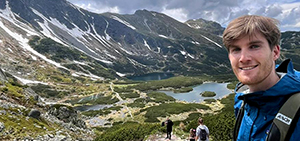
column 118, row 96
column 162, row 137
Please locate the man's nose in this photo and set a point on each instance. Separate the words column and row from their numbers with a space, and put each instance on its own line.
column 245, row 56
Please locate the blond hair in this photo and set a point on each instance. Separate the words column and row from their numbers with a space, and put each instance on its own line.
column 249, row 25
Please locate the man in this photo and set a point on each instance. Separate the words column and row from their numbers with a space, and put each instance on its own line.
column 202, row 132
column 169, row 125
column 253, row 46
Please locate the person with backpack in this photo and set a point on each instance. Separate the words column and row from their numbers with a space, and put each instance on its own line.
column 266, row 99
column 169, row 125
column 202, row 132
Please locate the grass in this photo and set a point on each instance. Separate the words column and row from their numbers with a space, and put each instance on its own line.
column 101, row 112
column 18, row 125
column 210, row 100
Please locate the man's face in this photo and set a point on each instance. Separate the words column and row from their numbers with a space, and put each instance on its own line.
column 252, row 60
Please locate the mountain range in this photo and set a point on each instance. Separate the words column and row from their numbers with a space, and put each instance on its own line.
column 109, row 45
column 106, row 45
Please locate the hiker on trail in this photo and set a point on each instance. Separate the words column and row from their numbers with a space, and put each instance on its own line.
column 253, row 47
column 169, row 125
column 202, row 132
column 192, row 136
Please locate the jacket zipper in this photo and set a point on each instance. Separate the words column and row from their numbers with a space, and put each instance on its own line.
column 251, row 130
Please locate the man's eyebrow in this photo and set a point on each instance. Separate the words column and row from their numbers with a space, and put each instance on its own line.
column 233, row 46
column 250, row 43
column 255, row 42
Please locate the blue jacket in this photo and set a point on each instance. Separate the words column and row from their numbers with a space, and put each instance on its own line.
column 261, row 107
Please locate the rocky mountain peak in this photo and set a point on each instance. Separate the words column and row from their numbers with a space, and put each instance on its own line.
column 209, row 26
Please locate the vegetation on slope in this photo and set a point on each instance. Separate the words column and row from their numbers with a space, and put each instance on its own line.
column 220, row 124
column 65, row 55
column 128, row 132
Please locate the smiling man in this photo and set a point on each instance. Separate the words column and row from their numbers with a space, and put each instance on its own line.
column 253, row 47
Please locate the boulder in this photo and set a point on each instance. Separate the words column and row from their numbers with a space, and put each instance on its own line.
column 66, row 114
column 34, row 114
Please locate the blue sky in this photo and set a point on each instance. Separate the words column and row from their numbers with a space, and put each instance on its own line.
column 221, row 11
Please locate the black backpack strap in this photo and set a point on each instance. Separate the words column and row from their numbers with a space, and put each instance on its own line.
column 238, row 122
column 286, row 119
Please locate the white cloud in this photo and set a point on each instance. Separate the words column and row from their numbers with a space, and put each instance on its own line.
column 98, row 8
column 179, row 14
column 221, row 11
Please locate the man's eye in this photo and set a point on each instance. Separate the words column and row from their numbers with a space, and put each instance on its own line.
column 235, row 49
column 255, row 46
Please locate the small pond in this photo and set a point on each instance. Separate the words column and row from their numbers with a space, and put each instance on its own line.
column 151, row 76
column 220, row 89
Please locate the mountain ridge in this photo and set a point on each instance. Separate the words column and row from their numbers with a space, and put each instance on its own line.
column 140, row 43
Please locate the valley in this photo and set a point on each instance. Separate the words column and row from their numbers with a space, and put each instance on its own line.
column 64, row 73
column 131, row 102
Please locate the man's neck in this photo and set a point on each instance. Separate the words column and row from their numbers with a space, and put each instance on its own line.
column 267, row 83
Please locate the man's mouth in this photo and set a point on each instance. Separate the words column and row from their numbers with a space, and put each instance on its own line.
column 248, row 68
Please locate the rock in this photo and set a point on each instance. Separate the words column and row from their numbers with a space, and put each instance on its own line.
column 2, row 76
column 34, row 114
column 67, row 115
column 2, row 126
column 2, row 112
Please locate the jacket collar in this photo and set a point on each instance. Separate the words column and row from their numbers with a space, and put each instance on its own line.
column 288, row 84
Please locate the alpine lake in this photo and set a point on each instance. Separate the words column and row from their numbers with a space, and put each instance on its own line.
column 220, row 89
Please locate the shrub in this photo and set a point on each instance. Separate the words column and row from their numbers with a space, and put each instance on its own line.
column 128, row 132
column 183, row 90
column 208, row 94
column 166, row 109
column 160, row 97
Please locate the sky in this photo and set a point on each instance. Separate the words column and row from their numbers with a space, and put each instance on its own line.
column 221, row 11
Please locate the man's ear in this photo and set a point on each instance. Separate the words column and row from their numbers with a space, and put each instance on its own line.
column 276, row 51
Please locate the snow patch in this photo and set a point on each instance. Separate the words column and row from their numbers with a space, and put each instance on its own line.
column 26, row 81
column 146, row 44
column 130, row 53
column 75, row 32
column 74, row 74
column 109, row 55
column 10, row 50
column 81, row 63
column 123, row 22
column 191, row 56
column 163, row 36
column 183, row 52
column 98, row 37
column 10, row 16
column 187, row 54
column 92, row 76
column 158, row 50
column 46, row 29
column 121, row 74
column 195, row 42
column 212, row 41
column 106, row 35
column 33, row 57
column 24, row 43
